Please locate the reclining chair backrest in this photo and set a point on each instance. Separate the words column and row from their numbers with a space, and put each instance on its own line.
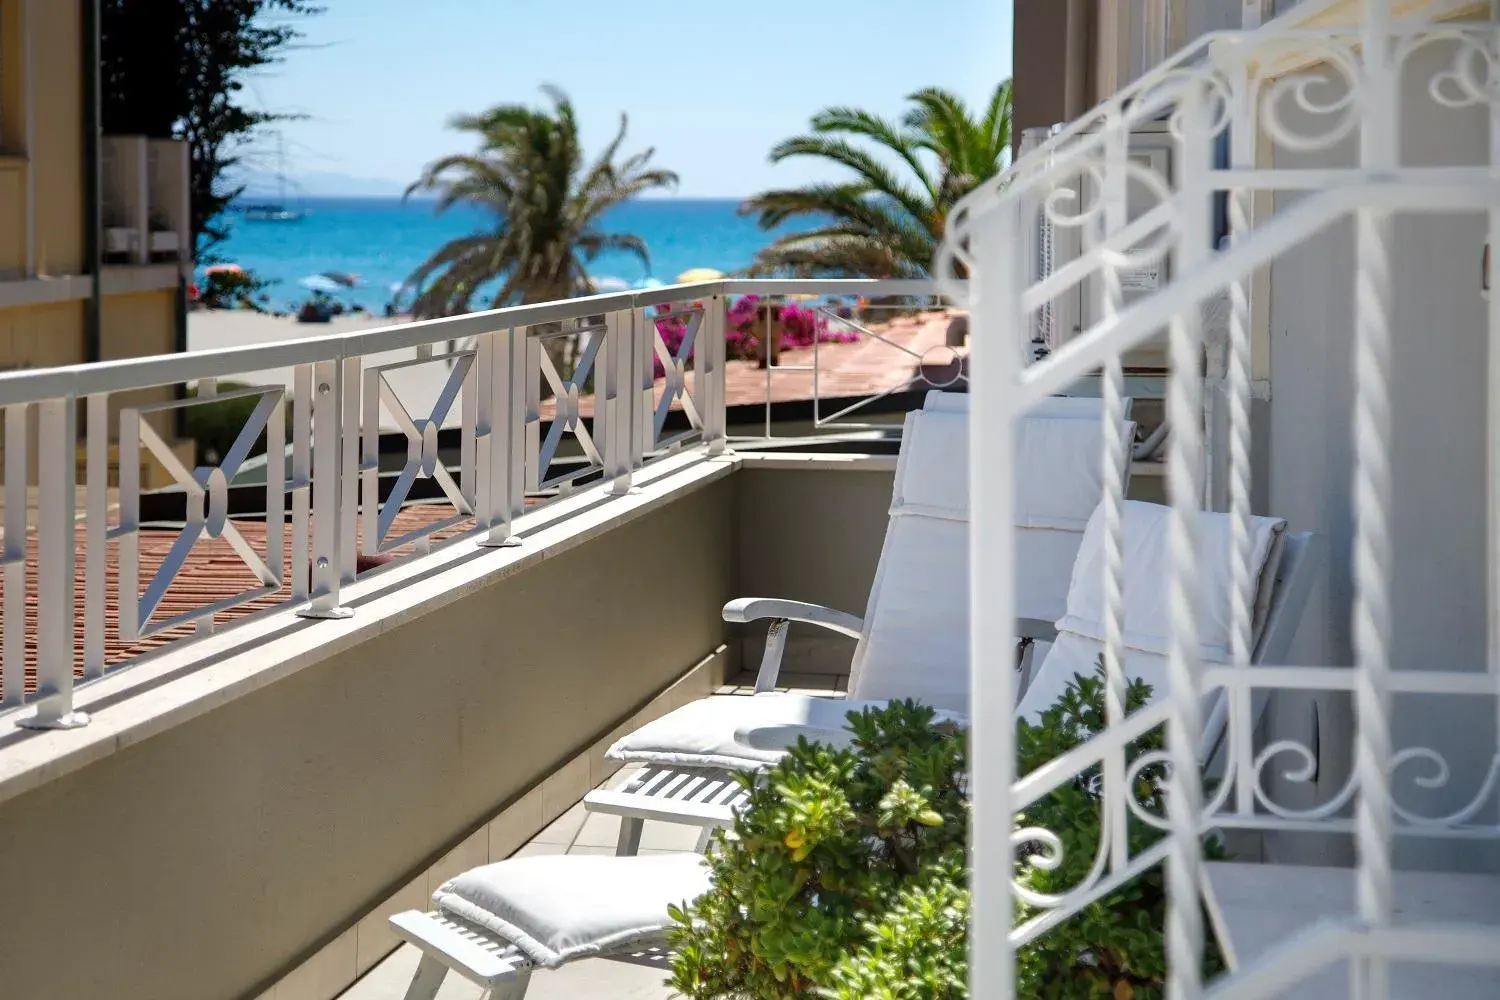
column 916, row 625
column 1276, row 559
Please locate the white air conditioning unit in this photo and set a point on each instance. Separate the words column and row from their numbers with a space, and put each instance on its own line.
column 1080, row 307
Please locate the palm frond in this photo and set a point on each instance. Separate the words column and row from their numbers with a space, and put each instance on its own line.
column 863, row 124
column 882, row 225
column 530, row 171
column 870, row 171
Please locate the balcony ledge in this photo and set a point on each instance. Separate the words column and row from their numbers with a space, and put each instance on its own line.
column 1257, row 910
column 187, row 680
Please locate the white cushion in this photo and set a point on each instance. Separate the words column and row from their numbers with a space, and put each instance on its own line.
column 1145, row 535
column 1059, row 471
column 939, row 399
column 932, row 469
column 1147, row 552
column 1074, row 654
column 557, row 908
column 738, row 733
column 916, row 636
column 1059, row 466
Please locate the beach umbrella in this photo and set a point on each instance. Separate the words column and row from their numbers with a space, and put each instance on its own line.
column 322, row 283
column 223, row 269
column 649, row 283
column 342, row 278
column 609, row 284
column 699, row 274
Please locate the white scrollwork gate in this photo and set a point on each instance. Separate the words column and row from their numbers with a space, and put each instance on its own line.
column 1251, row 92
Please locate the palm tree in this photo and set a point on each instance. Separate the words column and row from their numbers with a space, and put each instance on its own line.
column 883, row 222
column 530, row 174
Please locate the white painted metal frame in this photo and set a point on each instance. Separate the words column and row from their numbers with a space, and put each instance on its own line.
column 1221, row 81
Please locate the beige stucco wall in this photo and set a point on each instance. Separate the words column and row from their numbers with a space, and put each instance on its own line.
column 12, row 214
column 808, row 534
column 207, row 860
column 138, row 325
column 57, row 138
column 41, row 336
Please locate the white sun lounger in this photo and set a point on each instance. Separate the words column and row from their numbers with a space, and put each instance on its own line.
column 496, row 924
column 690, row 756
column 913, row 639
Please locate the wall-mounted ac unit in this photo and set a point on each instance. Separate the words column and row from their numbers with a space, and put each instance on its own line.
column 1081, row 306
column 123, row 170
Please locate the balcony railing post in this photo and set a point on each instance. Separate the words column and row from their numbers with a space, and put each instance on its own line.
column 57, row 441
column 530, row 356
column 96, row 527
column 16, row 483
column 711, row 371
column 514, row 416
column 643, row 386
column 328, row 489
column 494, row 421
column 615, row 416
column 349, row 456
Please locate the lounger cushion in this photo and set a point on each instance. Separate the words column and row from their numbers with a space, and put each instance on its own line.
column 1147, row 547
column 739, row 733
column 558, row 908
column 916, row 641
column 1146, row 537
column 1060, row 461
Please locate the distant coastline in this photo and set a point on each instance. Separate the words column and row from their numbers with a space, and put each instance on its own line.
column 383, row 238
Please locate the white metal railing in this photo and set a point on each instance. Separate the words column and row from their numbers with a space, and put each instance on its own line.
column 322, row 402
column 1223, row 81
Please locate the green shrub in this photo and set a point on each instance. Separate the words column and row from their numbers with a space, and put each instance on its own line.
column 1113, row 947
column 827, row 843
column 845, row 875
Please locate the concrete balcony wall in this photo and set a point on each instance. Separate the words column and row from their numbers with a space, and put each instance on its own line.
column 212, row 857
column 809, row 531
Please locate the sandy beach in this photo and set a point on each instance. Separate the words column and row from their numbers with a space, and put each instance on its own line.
column 418, row 387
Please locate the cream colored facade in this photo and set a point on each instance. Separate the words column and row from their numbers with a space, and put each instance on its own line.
column 47, row 286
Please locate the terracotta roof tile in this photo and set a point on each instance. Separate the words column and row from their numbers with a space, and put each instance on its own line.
column 867, row 367
column 212, row 572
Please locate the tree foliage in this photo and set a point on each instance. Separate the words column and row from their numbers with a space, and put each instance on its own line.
column 1114, row 947
column 887, row 218
column 177, row 68
column 546, row 202
column 839, row 857
column 845, row 874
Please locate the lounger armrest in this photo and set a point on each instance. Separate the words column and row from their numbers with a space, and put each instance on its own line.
column 780, row 614
column 1036, row 630
column 751, row 609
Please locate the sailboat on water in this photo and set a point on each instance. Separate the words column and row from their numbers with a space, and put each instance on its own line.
column 276, row 211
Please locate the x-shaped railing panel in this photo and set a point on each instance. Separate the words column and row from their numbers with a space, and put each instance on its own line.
column 422, row 458
column 674, row 366
column 207, row 511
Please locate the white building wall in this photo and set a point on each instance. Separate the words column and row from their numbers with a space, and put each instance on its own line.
column 1438, row 469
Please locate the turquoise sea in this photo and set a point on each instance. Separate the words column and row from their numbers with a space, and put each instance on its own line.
column 383, row 239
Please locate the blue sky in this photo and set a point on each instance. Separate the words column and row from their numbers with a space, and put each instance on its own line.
column 711, row 86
